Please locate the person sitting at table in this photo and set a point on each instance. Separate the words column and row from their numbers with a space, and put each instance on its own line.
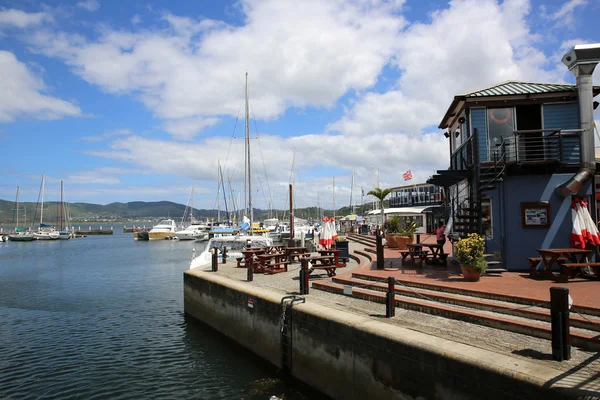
column 440, row 233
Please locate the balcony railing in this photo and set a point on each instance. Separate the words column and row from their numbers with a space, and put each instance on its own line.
column 540, row 145
column 463, row 158
column 423, row 199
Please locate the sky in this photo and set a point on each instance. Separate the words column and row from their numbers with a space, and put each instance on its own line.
column 140, row 100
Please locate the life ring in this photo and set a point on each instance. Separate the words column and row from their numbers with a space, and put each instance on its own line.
column 503, row 120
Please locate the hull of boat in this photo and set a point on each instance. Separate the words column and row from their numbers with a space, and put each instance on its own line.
column 20, row 238
column 38, row 236
column 160, row 235
column 140, row 235
column 64, row 236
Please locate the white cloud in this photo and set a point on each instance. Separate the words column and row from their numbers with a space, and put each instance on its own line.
column 136, row 19
column 21, row 94
column 187, row 128
column 21, row 19
column 298, row 54
column 93, row 177
column 89, row 5
column 565, row 15
column 106, row 135
column 470, row 45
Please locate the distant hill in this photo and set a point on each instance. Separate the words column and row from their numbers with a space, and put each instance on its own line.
column 134, row 211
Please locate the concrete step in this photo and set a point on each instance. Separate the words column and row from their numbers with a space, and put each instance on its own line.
column 471, row 292
column 540, row 313
column 579, row 337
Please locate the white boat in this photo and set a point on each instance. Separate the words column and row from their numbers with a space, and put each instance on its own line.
column 19, row 235
column 195, row 231
column 234, row 244
column 45, row 232
column 165, row 229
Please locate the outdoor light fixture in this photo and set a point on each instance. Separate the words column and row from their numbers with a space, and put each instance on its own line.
column 446, row 135
column 461, row 120
column 595, row 105
column 457, row 133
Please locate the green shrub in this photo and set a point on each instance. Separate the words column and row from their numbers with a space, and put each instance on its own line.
column 469, row 252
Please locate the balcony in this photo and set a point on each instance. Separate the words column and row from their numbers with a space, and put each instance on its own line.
column 539, row 146
column 422, row 199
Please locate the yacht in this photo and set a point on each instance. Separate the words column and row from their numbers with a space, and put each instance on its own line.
column 165, row 229
column 195, row 231
column 234, row 244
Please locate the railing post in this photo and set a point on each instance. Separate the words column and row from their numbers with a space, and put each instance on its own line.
column 249, row 268
column 215, row 259
column 224, row 254
column 559, row 314
column 390, row 301
column 379, row 243
column 304, row 275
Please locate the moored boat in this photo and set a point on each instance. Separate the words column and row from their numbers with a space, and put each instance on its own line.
column 234, row 244
column 165, row 229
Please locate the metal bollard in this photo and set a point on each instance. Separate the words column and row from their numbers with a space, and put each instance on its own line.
column 418, row 238
column 390, row 301
column 215, row 260
column 250, row 270
column 224, row 254
column 304, row 275
column 559, row 314
column 379, row 242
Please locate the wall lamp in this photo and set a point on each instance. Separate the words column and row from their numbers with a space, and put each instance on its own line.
column 595, row 104
column 446, row 135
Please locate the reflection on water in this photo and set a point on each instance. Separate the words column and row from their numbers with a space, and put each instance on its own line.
column 102, row 317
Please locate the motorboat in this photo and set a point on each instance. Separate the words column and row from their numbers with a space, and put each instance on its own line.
column 165, row 229
column 195, row 231
column 234, row 244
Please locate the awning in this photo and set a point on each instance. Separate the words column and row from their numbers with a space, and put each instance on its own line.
column 448, row 177
column 403, row 210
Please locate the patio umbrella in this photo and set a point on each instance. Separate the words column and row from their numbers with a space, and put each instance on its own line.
column 333, row 230
column 325, row 236
column 584, row 230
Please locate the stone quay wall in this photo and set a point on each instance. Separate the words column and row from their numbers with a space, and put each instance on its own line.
column 349, row 356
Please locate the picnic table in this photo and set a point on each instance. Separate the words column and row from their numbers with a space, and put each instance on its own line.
column 249, row 256
column 577, row 258
column 415, row 251
column 435, row 253
column 323, row 262
column 336, row 256
column 275, row 249
column 294, row 252
column 272, row 263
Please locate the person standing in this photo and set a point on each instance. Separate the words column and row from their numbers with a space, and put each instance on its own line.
column 440, row 233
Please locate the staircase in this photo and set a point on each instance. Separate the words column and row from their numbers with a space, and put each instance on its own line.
column 509, row 313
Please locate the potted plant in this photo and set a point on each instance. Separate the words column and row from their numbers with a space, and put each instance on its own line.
column 469, row 253
column 393, row 228
column 341, row 243
column 406, row 235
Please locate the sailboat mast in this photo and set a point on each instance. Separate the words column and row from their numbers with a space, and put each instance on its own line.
column 334, row 197
column 62, row 190
column 218, row 191
column 249, row 171
column 42, row 207
column 192, row 206
column 18, row 191
column 246, row 142
column 352, row 193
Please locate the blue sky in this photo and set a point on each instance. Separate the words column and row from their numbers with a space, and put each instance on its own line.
column 138, row 100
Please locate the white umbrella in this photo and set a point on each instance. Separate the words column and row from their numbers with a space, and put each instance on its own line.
column 325, row 239
column 332, row 229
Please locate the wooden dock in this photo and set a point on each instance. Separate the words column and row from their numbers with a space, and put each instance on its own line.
column 91, row 231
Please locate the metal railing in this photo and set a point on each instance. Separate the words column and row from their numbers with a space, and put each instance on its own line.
column 463, row 158
column 540, row 145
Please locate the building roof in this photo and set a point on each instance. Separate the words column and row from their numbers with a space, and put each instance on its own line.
column 402, row 210
column 506, row 89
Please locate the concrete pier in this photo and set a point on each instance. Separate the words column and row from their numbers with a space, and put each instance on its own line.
column 351, row 356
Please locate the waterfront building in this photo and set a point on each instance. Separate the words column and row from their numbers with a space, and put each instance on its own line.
column 519, row 153
column 422, row 203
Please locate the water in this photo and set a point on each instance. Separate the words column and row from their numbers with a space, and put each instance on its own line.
column 102, row 317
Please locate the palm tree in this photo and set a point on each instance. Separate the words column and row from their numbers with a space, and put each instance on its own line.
column 380, row 194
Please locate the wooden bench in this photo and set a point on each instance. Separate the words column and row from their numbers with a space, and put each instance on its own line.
column 404, row 254
column 534, row 262
column 572, row 268
column 330, row 269
column 276, row 268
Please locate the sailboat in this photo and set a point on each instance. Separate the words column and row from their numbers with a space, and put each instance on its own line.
column 238, row 243
column 194, row 230
column 19, row 235
column 64, row 233
column 45, row 232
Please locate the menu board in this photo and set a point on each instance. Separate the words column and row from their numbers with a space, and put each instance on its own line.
column 535, row 215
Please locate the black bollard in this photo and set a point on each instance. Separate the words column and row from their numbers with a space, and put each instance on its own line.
column 250, row 270
column 215, row 259
column 304, row 275
column 379, row 241
column 559, row 314
column 418, row 238
column 224, row 254
column 390, row 303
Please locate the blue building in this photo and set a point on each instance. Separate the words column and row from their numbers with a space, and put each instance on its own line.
column 519, row 152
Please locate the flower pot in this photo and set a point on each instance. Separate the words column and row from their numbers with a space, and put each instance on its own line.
column 391, row 241
column 402, row 241
column 470, row 274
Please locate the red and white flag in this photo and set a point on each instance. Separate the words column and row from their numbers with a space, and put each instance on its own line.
column 407, row 175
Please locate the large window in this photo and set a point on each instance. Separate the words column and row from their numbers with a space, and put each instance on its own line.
column 501, row 124
column 486, row 216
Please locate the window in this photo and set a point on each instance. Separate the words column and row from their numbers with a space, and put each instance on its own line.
column 500, row 126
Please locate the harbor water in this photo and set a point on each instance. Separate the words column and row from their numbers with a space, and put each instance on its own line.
column 102, row 317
